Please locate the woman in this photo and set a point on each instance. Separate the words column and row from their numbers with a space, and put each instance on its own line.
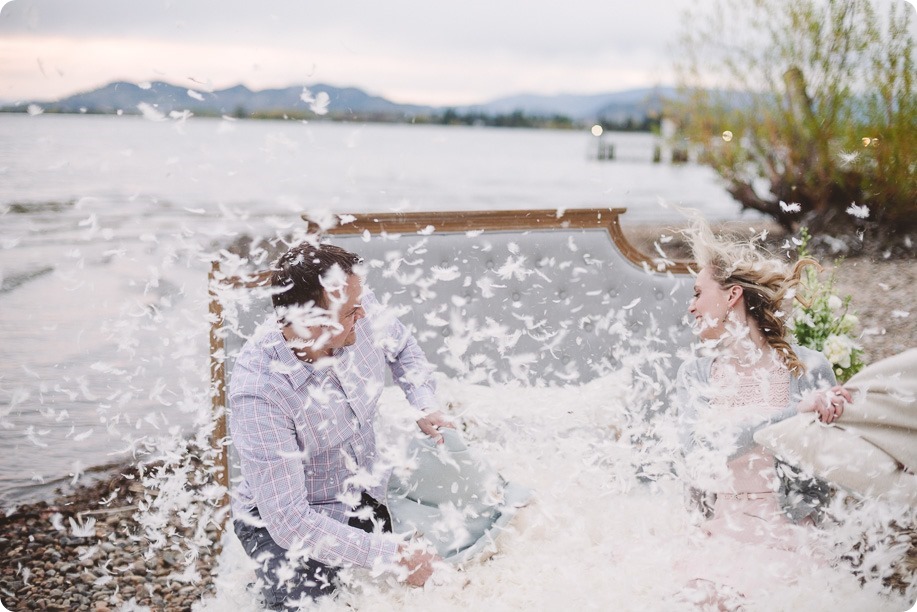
column 749, row 375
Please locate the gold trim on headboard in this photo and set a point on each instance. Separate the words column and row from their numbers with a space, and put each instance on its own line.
column 504, row 220
column 217, row 378
column 218, row 399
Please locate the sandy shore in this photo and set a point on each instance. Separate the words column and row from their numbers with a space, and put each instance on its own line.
column 46, row 567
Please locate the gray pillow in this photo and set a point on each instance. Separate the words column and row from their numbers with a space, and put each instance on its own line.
column 453, row 498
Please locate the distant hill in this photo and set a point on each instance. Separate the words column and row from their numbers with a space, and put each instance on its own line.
column 343, row 102
column 165, row 98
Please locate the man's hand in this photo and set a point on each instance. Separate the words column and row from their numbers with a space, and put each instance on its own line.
column 419, row 564
column 431, row 423
column 828, row 404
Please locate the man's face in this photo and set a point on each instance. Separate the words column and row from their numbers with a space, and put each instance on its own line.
column 317, row 332
column 345, row 307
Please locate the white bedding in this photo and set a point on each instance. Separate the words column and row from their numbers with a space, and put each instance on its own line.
column 598, row 536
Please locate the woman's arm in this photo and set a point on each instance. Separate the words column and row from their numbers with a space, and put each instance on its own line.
column 819, row 388
column 687, row 383
column 803, row 496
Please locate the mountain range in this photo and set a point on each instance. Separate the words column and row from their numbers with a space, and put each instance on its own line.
column 342, row 102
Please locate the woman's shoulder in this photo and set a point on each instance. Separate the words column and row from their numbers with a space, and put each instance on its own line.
column 806, row 351
column 696, row 368
column 813, row 359
column 817, row 365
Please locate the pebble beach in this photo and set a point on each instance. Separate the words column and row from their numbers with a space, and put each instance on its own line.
column 105, row 564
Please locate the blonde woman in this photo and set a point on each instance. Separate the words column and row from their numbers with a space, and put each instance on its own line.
column 748, row 376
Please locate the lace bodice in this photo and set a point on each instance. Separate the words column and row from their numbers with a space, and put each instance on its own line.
column 764, row 388
column 742, row 399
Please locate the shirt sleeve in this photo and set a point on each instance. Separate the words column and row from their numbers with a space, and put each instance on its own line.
column 272, row 464
column 410, row 369
column 819, row 373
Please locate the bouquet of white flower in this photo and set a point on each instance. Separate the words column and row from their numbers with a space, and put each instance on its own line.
column 826, row 324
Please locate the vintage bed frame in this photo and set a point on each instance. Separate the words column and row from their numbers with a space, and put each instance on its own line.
column 360, row 228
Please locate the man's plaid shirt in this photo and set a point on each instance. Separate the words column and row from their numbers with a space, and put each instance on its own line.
column 299, row 431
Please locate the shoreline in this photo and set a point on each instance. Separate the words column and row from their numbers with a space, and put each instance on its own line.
column 50, row 568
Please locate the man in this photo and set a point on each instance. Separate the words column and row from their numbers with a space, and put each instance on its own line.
column 303, row 398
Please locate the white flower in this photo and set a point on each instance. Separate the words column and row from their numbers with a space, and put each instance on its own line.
column 800, row 319
column 834, row 302
column 848, row 323
column 838, row 349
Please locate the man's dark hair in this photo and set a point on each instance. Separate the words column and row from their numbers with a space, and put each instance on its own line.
column 297, row 274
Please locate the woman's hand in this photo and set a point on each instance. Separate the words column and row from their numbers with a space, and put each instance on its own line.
column 829, row 404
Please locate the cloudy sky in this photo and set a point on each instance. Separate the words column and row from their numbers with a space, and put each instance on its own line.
column 408, row 51
column 405, row 50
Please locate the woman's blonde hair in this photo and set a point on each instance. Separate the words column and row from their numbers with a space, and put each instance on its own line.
column 766, row 282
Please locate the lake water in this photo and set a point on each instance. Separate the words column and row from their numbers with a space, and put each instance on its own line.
column 108, row 224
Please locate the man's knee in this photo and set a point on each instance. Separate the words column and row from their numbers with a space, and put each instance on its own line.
column 284, row 581
column 308, row 581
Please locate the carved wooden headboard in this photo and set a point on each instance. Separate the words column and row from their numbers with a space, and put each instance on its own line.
column 535, row 296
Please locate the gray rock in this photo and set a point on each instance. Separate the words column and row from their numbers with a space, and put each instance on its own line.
column 170, row 558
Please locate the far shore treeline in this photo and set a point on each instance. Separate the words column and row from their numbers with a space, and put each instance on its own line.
column 450, row 116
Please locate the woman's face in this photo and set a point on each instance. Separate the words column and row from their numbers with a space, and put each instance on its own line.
column 709, row 306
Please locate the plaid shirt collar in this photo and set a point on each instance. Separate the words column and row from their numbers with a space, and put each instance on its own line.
column 298, row 371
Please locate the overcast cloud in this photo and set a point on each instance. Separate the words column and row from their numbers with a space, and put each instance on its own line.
column 408, row 51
